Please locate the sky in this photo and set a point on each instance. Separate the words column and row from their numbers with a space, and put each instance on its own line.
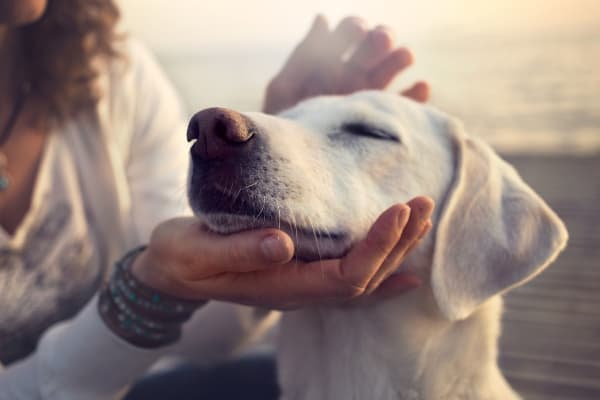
column 184, row 25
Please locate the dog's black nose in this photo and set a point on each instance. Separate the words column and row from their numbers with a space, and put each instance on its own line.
column 220, row 133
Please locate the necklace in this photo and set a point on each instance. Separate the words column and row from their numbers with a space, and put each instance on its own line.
column 6, row 132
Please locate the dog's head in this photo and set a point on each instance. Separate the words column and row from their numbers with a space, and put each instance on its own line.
column 324, row 170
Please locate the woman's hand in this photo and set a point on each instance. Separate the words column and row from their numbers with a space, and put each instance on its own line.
column 256, row 268
column 348, row 58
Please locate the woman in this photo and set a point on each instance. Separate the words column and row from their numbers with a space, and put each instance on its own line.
column 91, row 134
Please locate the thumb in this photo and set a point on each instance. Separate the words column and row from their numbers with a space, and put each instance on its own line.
column 242, row 252
column 198, row 252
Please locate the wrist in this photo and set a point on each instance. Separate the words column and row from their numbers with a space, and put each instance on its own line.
column 156, row 274
column 140, row 314
column 146, row 270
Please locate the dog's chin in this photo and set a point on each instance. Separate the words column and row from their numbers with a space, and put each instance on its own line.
column 309, row 244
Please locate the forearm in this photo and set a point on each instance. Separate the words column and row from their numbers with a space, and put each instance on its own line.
column 80, row 359
column 83, row 359
column 151, row 318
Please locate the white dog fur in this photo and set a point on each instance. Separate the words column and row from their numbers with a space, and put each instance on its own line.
column 332, row 165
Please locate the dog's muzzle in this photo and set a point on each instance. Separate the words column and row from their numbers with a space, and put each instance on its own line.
column 220, row 134
column 225, row 157
column 235, row 184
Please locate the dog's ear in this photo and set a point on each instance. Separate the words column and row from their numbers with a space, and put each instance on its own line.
column 494, row 232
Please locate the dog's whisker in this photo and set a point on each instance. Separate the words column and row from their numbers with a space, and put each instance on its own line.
column 223, row 195
column 314, row 231
column 264, row 216
column 262, row 208
column 325, row 190
column 328, row 233
column 293, row 229
column 230, row 190
column 278, row 215
column 236, row 195
column 296, row 236
column 180, row 194
column 250, row 185
column 241, row 189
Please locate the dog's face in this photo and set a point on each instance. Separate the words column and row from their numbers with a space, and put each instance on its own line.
column 324, row 170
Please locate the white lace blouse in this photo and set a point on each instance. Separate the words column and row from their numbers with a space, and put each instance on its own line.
column 104, row 182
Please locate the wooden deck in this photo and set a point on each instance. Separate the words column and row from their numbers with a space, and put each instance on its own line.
column 550, row 347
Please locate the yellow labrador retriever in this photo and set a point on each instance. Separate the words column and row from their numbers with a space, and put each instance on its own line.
column 323, row 171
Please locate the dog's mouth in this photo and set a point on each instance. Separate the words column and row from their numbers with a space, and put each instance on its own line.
column 226, row 214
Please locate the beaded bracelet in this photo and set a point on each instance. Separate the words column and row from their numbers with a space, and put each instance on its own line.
column 139, row 314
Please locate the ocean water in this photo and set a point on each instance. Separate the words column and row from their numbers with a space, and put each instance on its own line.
column 523, row 94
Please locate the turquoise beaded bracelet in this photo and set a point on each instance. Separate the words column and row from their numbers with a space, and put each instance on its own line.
column 139, row 314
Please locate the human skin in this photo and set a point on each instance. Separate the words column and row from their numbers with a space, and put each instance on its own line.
column 185, row 259
column 24, row 147
column 252, row 267
column 256, row 267
column 320, row 64
column 20, row 12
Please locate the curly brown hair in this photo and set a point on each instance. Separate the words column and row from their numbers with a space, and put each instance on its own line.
column 59, row 53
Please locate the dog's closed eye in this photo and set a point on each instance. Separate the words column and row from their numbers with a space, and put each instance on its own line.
column 369, row 131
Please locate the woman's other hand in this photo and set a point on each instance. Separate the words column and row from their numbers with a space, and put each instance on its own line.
column 349, row 58
column 186, row 260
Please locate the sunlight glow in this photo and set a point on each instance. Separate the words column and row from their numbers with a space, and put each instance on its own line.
column 196, row 24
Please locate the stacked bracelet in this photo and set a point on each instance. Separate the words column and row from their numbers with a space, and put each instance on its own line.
column 139, row 314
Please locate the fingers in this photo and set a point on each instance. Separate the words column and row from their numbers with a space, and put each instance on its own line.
column 281, row 287
column 315, row 65
column 294, row 284
column 372, row 50
column 420, row 92
column 287, row 286
column 424, row 232
column 350, row 30
column 329, row 46
column 325, row 50
column 308, row 49
column 319, row 64
column 317, row 29
column 245, row 251
column 373, row 259
column 313, row 39
column 383, row 73
column 200, row 253
column 249, row 279
column 417, row 226
column 359, row 266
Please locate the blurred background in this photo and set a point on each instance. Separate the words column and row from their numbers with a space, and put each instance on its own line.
column 524, row 74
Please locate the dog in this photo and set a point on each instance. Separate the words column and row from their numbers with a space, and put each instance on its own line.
column 323, row 171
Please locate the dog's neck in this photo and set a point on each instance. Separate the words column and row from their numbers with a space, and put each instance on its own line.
column 398, row 349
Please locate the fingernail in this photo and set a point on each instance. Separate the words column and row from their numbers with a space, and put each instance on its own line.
column 274, row 249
